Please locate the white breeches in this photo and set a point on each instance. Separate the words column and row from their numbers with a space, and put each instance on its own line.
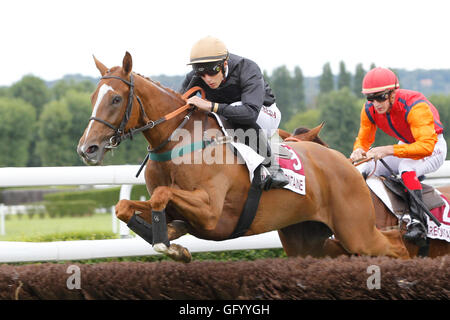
column 268, row 118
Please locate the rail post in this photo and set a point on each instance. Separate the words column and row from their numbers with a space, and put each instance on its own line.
column 125, row 193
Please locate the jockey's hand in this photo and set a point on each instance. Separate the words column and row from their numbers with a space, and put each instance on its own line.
column 200, row 103
column 380, row 152
column 358, row 154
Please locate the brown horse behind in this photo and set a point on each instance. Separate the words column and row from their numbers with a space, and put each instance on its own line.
column 312, row 237
column 206, row 198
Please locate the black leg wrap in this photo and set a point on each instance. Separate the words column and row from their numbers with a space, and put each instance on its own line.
column 160, row 227
column 141, row 227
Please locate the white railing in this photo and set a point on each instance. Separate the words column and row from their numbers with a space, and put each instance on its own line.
column 118, row 175
column 11, row 251
column 124, row 175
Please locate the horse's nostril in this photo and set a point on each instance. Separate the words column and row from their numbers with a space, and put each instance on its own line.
column 92, row 149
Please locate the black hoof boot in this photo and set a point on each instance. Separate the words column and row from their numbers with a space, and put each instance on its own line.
column 141, row 227
column 159, row 226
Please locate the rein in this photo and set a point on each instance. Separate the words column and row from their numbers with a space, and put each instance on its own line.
column 364, row 161
column 119, row 132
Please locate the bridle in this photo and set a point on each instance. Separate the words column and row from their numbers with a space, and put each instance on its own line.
column 119, row 132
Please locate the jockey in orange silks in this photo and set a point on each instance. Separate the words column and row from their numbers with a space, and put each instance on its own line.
column 409, row 117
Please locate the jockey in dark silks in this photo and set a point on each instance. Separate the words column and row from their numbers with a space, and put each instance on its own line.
column 236, row 89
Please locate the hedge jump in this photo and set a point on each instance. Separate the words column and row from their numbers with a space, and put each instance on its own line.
column 282, row 278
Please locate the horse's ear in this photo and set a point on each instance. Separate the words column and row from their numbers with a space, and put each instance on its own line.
column 315, row 131
column 283, row 134
column 127, row 63
column 100, row 66
column 308, row 135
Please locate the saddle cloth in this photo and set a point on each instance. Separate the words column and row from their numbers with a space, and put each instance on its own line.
column 288, row 160
column 435, row 201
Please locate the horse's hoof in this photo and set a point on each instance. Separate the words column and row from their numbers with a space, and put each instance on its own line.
column 179, row 253
column 160, row 247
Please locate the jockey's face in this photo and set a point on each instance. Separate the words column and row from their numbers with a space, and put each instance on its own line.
column 214, row 81
column 381, row 101
column 382, row 107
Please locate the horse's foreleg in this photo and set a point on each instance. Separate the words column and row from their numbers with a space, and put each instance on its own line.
column 126, row 210
column 195, row 208
column 194, row 205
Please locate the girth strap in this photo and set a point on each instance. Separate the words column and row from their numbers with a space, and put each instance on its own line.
column 250, row 207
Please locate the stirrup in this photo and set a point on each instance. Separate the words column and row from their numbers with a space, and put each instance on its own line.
column 416, row 233
column 273, row 180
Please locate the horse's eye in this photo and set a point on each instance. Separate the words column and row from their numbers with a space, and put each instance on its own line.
column 116, row 99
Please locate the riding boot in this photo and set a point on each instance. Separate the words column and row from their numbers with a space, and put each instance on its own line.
column 276, row 178
column 417, row 227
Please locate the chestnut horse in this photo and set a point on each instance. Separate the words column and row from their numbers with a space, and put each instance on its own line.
column 312, row 238
column 206, row 199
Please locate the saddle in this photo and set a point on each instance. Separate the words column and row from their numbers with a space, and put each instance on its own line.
column 398, row 196
column 256, row 173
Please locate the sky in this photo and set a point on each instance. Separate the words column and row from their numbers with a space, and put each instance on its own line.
column 50, row 38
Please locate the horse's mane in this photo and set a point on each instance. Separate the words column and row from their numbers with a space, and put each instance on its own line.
column 158, row 84
column 114, row 69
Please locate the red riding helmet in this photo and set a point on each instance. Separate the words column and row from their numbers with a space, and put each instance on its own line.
column 378, row 80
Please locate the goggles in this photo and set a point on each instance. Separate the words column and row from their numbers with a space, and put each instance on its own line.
column 207, row 69
column 379, row 97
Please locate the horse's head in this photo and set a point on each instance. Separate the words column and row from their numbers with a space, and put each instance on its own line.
column 112, row 112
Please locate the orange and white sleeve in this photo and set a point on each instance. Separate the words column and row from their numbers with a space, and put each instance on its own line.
column 366, row 134
column 421, row 122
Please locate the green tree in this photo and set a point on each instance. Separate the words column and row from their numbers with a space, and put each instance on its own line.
column 308, row 119
column 281, row 84
column 442, row 104
column 33, row 90
column 357, row 80
column 326, row 82
column 54, row 146
column 80, row 108
column 344, row 77
column 340, row 111
column 298, row 91
column 61, row 87
column 17, row 122
column 128, row 152
column 5, row 92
